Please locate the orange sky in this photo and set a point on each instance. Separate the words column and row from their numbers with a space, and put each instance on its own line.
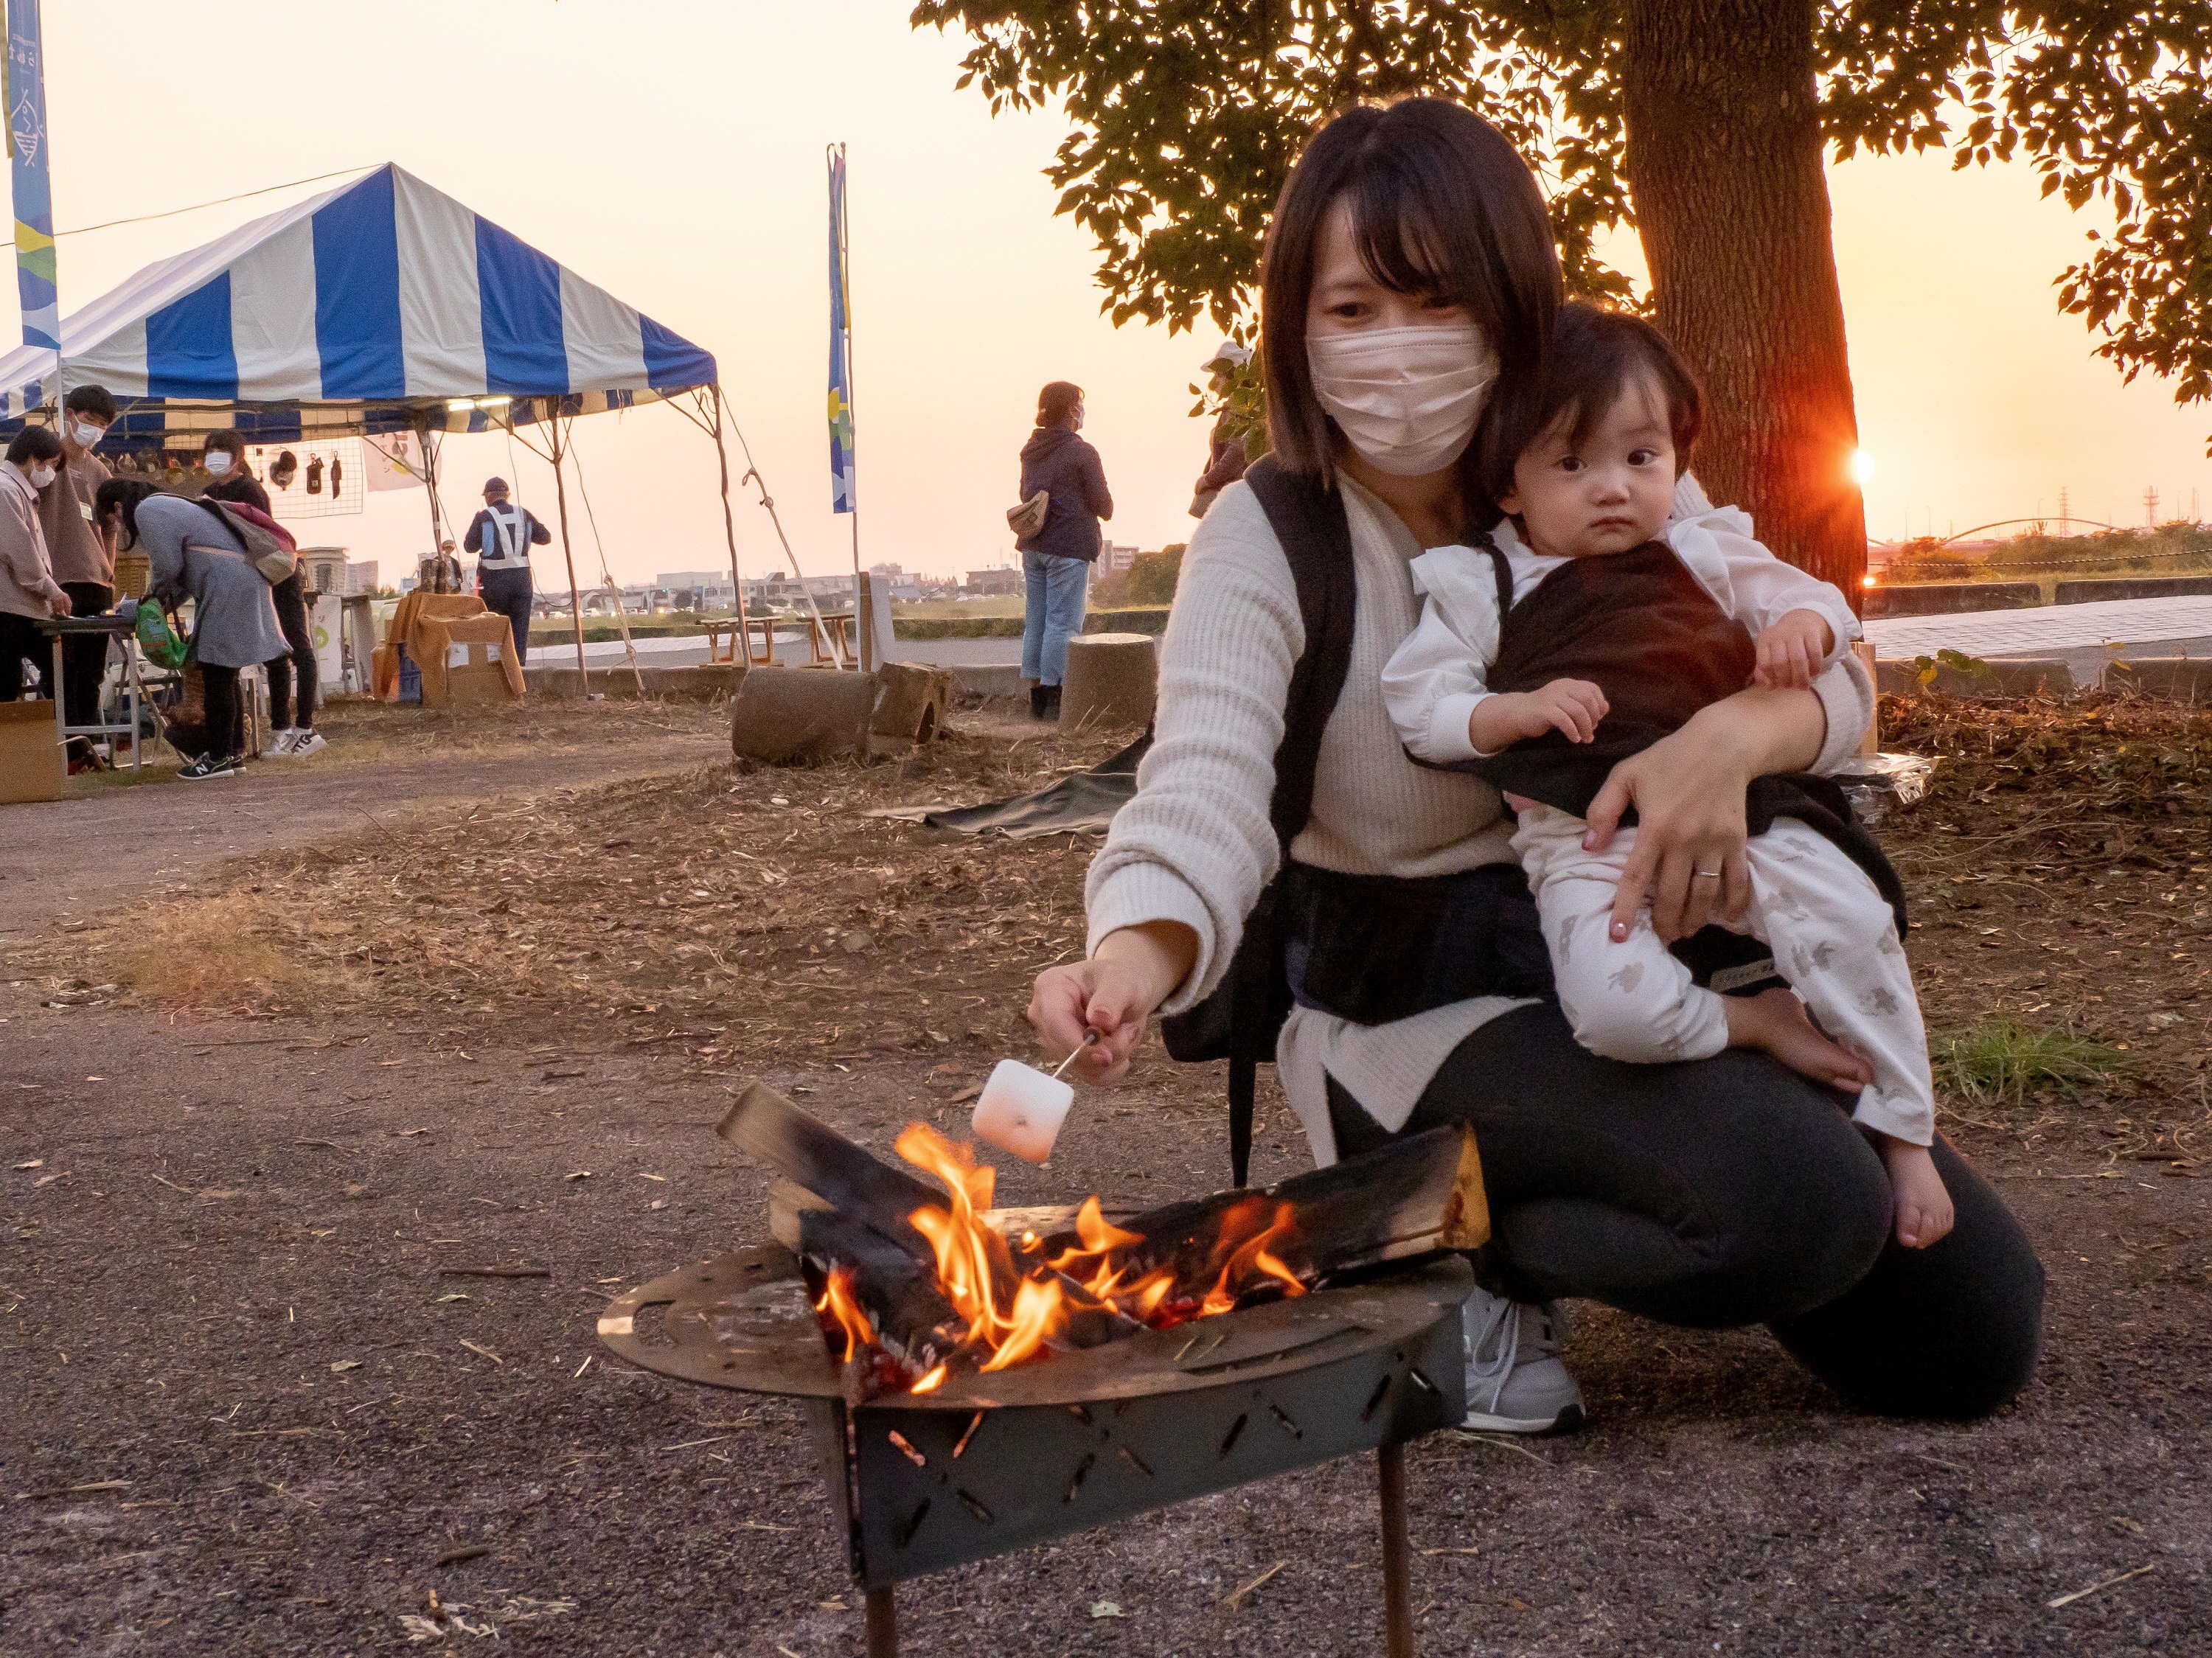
column 673, row 154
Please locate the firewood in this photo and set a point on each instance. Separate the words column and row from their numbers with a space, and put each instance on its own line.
column 1408, row 1198
column 810, row 1154
column 915, row 1320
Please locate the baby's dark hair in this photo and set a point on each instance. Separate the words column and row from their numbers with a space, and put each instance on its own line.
column 1596, row 354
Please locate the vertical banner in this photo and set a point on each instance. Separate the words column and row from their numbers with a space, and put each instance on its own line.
column 26, row 154
column 841, row 345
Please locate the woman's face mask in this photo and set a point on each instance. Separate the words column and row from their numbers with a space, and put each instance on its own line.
column 217, row 462
column 42, row 476
column 1407, row 399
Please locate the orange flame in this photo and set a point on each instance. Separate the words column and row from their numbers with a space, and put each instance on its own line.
column 933, row 1382
column 1252, row 1257
column 839, row 1302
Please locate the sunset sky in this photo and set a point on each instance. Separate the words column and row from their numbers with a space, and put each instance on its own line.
column 673, row 152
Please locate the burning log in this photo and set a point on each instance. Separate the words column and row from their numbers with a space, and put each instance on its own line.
column 912, row 1317
column 810, row 1154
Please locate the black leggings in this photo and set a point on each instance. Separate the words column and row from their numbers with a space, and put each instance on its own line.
column 1728, row 1191
column 291, row 599
column 21, row 642
column 226, row 714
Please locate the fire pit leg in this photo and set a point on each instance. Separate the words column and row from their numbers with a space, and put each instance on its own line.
column 883, row 1624
column 1397, row 1596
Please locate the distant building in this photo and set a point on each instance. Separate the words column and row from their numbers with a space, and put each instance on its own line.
column 982, row 582
column 1112, row 560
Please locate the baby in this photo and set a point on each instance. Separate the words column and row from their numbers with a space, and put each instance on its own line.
column 1589, row 628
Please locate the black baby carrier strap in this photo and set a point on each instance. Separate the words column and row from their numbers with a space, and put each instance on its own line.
column 1239, row 1020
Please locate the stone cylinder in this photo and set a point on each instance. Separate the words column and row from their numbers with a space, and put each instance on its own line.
column 1110, row 680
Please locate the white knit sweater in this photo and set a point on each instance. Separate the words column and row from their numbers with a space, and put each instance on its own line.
column 1195, row 844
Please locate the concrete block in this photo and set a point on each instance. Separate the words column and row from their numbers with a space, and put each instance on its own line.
column 1948, row 598
column 2186, row 679
column 911, row 703
column 1110, row 680
column 988, row 682
column 2098, row 589
column 801, row 716
column 702, row 682
column 2034, row 676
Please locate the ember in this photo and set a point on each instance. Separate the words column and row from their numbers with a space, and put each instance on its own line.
column 1017, row 1306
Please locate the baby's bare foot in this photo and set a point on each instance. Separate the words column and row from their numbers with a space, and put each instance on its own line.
column 1776, row 1022
column 1922, row 1201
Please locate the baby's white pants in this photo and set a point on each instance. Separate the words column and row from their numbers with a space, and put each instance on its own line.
column 1834, row 939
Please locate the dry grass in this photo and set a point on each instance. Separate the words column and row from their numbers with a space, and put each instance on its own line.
column 237, row 952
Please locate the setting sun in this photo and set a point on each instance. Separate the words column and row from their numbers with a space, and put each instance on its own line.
column 1861, row 468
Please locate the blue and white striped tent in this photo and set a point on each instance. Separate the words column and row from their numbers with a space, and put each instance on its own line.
column 380, row 306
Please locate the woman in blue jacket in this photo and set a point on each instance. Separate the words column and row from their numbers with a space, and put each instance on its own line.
column 1057, row 559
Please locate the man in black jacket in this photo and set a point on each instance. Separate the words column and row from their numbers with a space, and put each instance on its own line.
column 1057, row 559
column 501, row 536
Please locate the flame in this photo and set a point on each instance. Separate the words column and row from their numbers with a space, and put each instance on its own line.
column 1016, row 1313
column 839, row 1302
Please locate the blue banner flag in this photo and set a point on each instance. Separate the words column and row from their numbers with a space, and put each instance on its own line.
column 34, row 202
column 841, row 345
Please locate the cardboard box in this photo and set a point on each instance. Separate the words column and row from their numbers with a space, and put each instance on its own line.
column 31, row 764
column 468, row 660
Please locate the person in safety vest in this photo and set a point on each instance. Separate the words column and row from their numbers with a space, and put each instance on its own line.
column 501, row 536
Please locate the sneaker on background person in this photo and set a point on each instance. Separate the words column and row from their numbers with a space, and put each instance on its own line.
column 306, row 742
column 1516, row 1382
column 279, row 746
column 208, row 766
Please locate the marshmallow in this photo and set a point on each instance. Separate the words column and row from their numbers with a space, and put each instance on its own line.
column 1021, row 1110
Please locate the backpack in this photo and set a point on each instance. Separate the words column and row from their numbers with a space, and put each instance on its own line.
column 269, row 545
column 1240, row 1020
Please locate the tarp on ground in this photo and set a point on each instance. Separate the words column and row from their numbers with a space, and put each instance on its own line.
column 1084, row 804
column 371, row 307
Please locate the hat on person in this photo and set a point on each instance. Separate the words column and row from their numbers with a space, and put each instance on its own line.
column 495, row 486
column 1230, row 353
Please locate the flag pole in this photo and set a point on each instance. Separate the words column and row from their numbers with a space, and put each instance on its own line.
column 844, row 456
column 31, row 184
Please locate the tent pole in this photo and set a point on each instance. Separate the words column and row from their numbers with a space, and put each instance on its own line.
column 575, row 599
column 730, row 532
column 430, row 479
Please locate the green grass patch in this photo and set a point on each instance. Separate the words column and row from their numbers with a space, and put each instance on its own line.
column 2000, row 1063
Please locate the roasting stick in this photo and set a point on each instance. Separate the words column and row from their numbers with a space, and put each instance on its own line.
column 1089, row 1040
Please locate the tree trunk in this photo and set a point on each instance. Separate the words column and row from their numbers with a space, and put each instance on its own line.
column 1724, row 159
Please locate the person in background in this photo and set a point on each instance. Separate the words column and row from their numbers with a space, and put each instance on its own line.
column 1225, row 458
column 501, row 536
column 234, row 610
column 292, row 732
column 1057, row 559
column 28, row 591
column 83, row 559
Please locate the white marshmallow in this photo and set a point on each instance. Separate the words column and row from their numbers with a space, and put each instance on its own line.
column 1021, row 1110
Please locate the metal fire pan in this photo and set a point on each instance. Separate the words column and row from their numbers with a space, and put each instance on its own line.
column 992, row 1463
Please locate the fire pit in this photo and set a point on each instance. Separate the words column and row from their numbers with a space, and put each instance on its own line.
column 988, row 1459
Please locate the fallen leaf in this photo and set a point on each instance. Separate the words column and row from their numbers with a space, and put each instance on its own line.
column 48, row 1180
column 442, row 1300
column 657, row 1203
column 581, row 1174
column 1106, row 1609
column 345, row 1364
column 973, row 1092
column 833, row 1606
column 663, row 1179
column 35, row 1163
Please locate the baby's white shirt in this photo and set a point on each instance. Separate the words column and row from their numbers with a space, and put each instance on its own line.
column 1435, row 679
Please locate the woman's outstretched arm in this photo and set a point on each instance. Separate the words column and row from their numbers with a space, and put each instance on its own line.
column 1688, row 791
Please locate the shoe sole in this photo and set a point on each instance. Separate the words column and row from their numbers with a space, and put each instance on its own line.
column 204, row 777
column 1565, row 1423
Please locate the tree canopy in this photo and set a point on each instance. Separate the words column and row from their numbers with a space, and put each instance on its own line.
column 1185, row 115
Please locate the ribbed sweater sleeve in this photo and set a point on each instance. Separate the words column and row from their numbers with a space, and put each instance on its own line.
column 1195, row 844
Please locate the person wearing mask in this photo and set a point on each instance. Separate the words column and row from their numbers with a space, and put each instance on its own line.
column 233, row 611
column 83, row 560
column 501, row 536
column 1225, row 459
column 1057, row 560
column 28, row 591
column 292, row 732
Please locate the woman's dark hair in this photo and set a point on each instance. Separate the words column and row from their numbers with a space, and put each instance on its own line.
column 1441, row 204
column 35, row 443
column 1596, row 356
column 92, row 400
column 228, row 440
column 1057, row 402
column 119, row 497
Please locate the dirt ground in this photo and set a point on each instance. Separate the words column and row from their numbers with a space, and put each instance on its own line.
column 252, row 1409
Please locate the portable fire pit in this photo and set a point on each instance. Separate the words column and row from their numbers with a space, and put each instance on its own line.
column 990, row 1459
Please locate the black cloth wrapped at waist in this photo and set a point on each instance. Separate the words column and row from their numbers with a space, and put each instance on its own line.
column 1377, row 948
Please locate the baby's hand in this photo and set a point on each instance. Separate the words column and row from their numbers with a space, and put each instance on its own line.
column 1792, row 651
column 1923, row 1207
column 1571, row 707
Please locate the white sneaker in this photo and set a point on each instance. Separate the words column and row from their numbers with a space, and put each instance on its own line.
column 1516, row 1382
column 279, row 746
column 304, row 743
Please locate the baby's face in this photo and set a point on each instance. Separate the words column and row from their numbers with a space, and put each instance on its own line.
column 1607, row 495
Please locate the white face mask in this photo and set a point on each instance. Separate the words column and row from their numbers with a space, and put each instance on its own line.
column 217, row 462
column 1408, row 399
column 42, row 476
column 89, row 435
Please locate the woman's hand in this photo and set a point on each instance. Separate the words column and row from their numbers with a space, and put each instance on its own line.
column 59, row 605
column 1133, row 971
column 1688, row 791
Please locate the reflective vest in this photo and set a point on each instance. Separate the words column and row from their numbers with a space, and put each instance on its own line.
column 506, row 541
